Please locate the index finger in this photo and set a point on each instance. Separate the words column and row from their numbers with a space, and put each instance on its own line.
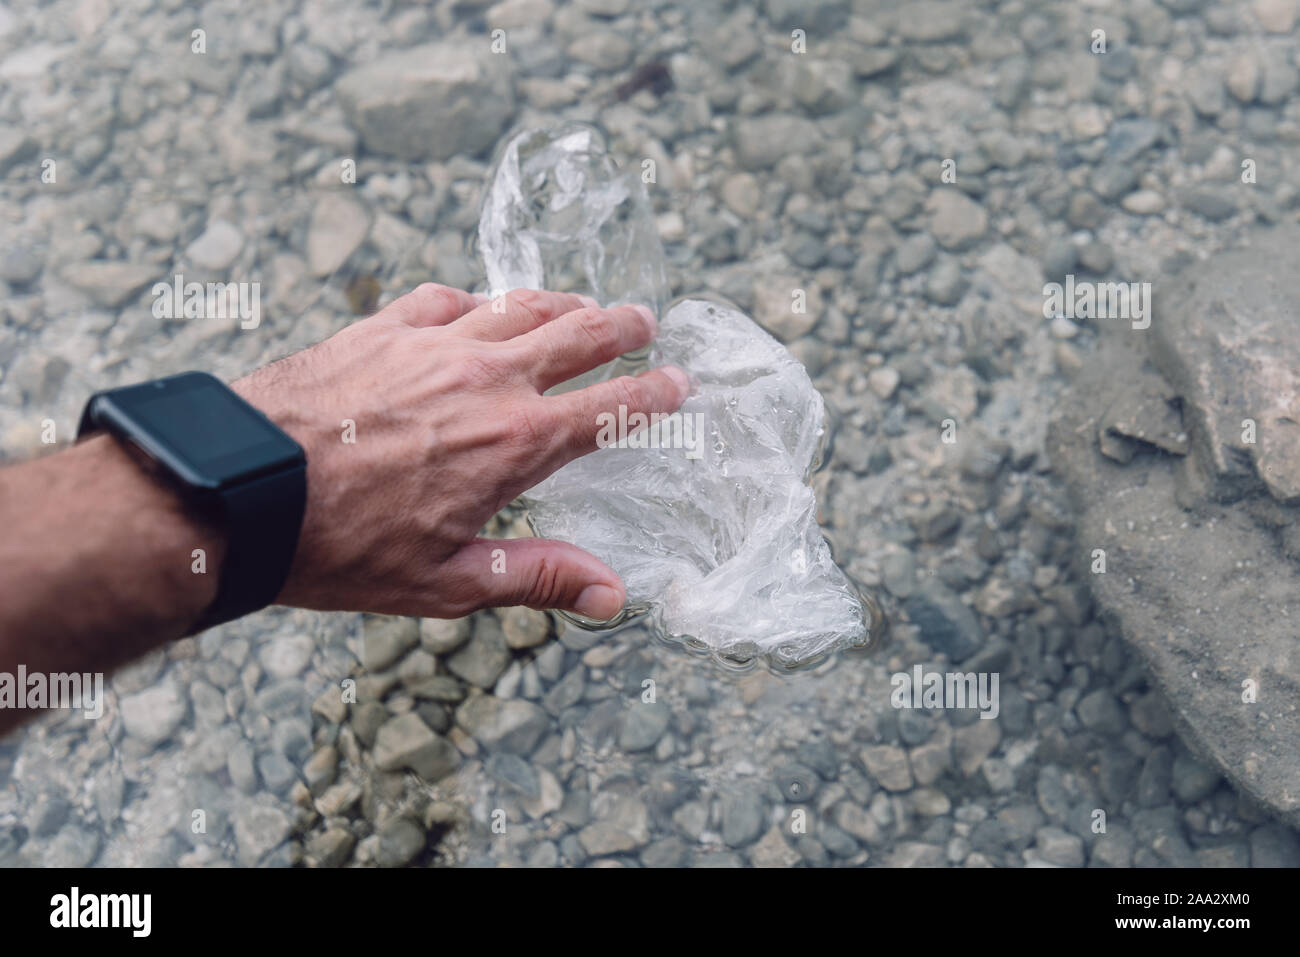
column 431, row 304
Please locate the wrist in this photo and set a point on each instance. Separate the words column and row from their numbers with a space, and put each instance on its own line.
column 264, row 390
column 111, row 559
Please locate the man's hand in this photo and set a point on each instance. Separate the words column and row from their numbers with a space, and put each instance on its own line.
column 444, row 392
column 98, row 556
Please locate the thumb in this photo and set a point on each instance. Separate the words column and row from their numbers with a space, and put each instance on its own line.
column 536, row 572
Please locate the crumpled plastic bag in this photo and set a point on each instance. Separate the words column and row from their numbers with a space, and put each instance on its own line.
column 713, row 526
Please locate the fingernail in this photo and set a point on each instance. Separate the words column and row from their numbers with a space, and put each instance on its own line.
column 589, row 302
column 649, row 317
column 680, row 378
column 599, row 602
column 480, row 297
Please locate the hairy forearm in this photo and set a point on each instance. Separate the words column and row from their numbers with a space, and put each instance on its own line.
column 418, row 424
column 96, row 562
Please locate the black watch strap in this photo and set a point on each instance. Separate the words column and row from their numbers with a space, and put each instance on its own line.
column 260, row 512
column 262, row 518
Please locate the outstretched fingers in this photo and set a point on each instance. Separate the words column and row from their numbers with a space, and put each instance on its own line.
column 585, row 413
column 430, row 304
column 519, row 312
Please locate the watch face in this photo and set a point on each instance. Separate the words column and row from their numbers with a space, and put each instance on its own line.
column 196, row 427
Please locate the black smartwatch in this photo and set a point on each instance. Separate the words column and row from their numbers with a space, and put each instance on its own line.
column 227, row 460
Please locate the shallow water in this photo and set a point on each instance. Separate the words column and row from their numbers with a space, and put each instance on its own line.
column 821, row 170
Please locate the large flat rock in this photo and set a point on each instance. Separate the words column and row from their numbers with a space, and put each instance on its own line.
column 1200, row 545
column 1226, row 335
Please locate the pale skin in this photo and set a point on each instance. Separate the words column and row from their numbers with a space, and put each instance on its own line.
column 445, row 390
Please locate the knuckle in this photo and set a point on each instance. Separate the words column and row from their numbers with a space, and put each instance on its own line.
column 530, row 302
column 544, row 587
column 430, row 297
column 526, row 427
column 625, row 391
column 599, row 328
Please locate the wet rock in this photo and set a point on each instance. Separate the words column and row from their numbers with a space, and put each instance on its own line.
column 742, row 817
column 514, row 773
column 241, row 766
column 1225, row 347
column 973, row 743
column 217, row 247
column 331, row 847
column 888, row 766
column 47, row 814
column 931, row 760
column 1213, row 204
column 1275, row 16
column 915, row 253
column 946, row 285
column 1113, row 849
column 400, row 841
column 1242, row 77
column 838, row 843
column 1192, row 780
column 153, row 715
column 762, row 141
column 956, row 220
column 16, row 146
column 287, row 656
column 929, row 21
column 429, row 102
column 566, row 692
column 1100, row 711
column 309, row 66
column 797, row 783
column 1274, row 846
column 367, row 718
column 259, row 829
column 643, row 726
column 1059, row 847
column 1226, row 351
column 276, row 772
column 778, row 309
column 670, row 852
column 857, row 821
column 482, row 661
column 407, row 742
column 824, row 16
column 110, row 284
column 339, row 224
column 1156, row 779
column 1150, row 716
column 772, row 850
column 915, row 854
column 440, row 636
column 625, row 826
column 320, row 769
column 513, row 726
column 19, row 265
column 944, row 622
column 524, row 627
column 73, row 846
column 1144, row 411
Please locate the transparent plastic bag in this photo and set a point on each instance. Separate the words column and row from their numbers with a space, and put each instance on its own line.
column 707, row 514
